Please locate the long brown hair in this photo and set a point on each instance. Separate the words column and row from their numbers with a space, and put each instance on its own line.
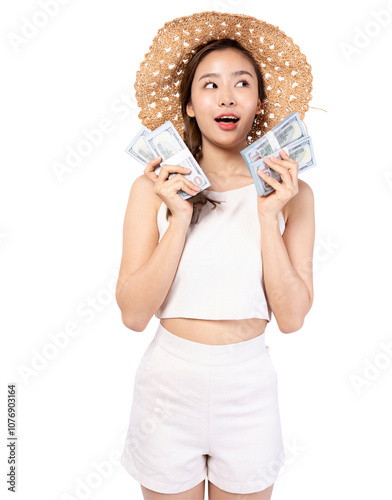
column 192, row 134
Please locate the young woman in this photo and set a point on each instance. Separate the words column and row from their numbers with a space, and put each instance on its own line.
column 213, row 267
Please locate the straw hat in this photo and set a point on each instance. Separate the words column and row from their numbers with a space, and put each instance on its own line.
column 286, row 72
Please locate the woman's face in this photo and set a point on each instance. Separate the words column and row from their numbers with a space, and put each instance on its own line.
column 224, row 85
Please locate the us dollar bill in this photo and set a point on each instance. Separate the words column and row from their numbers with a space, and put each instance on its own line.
column 139, row 149
column 300, row 150
column 286, row 131
column 166, row 142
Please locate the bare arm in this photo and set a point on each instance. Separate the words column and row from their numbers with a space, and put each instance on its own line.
column 147, row 267
column 288, row 261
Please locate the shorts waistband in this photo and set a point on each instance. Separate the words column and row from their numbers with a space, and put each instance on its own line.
column 206, row 354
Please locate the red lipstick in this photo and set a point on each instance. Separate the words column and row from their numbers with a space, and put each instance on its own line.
column 227, row 121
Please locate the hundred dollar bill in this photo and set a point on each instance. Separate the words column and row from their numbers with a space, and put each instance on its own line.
column 300, row 151
column 139, row 149
column 167, row 143
column 286, row 131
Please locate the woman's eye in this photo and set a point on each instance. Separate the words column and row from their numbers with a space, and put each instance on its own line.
column 242, row 83
column 209, row 85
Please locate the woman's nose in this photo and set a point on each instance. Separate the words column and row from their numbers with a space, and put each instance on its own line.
column 226, row 99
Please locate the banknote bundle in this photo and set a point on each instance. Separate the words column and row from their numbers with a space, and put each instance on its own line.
column 289, row 135
column 167, row 143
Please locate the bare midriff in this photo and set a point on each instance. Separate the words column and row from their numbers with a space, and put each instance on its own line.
column 215, row 332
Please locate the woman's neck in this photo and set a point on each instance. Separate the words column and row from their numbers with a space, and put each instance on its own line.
column 222, row 162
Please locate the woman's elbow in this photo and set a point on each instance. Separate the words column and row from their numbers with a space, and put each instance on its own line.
column 133, row 320
column 135, row 324
column 290, row 327
column 291, row 323
column 130, row 318
column 295, row 320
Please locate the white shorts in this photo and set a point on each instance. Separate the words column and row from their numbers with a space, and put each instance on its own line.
column 204, row 411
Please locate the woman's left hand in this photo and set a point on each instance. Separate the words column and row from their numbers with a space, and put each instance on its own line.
column 287, row 168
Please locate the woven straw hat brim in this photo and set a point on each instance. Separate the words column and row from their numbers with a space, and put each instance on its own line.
column 286, row 73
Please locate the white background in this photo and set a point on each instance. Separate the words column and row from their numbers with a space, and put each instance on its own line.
column 61, row 244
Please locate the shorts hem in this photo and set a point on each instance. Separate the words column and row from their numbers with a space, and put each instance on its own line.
column 241, row 488
column 159, row 486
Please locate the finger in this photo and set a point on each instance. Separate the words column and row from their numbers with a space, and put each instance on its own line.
column 154, row 163
column 289, row 177
column 180, row 187
column 150, row 169
column 167, row 173
column 284, row 155
column 181, row 182
column 289, row 164
column 287, row 182
column 167, row 179
column 273, row 163
column 281, row 169
column 168, row 169
column 270, row 180
column 286, row 158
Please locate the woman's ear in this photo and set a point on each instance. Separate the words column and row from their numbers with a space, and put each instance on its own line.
column 189, row 110
column 258, row 108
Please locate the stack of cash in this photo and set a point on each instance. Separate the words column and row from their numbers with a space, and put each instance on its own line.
column 167, row 143
column 289, row 135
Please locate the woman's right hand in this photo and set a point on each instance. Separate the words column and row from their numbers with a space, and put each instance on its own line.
column 167, row 189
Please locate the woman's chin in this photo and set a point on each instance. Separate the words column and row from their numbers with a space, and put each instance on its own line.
column 225, row 141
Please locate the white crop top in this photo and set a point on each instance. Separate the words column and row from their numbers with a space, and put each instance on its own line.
column 219, row 275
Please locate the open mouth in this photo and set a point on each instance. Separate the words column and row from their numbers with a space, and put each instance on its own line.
column 227, row 119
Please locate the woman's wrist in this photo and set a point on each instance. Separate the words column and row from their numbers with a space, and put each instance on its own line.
column 178, row 221
column 267, row 219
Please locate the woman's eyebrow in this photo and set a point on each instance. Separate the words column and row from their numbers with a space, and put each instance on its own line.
column 234, row 73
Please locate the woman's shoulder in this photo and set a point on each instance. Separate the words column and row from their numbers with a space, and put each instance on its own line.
column 304, row 199
column 143, row 189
